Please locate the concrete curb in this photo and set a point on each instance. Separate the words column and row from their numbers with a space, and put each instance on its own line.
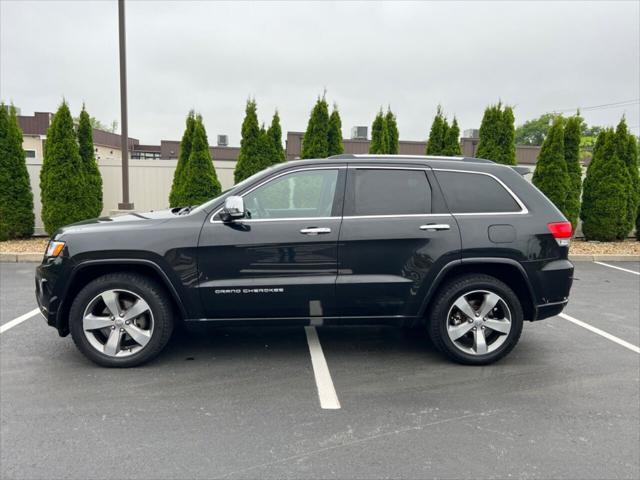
column 37, row 258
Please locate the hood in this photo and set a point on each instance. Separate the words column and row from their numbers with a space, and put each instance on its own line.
column 133, row 220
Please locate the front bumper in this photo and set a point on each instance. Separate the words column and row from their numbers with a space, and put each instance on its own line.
column 49, row 283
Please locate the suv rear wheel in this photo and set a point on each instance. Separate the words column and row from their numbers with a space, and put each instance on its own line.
column 121, row 320
column 476, row 319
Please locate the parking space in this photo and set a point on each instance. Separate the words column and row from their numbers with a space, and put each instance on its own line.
column 243, row 402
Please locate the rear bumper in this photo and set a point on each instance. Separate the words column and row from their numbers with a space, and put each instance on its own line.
column 553, row 283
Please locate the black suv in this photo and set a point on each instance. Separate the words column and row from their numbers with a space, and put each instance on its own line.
column 465, row 247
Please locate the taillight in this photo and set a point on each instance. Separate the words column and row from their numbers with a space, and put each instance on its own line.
column 561, row 231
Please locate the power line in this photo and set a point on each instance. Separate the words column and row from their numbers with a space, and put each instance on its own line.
column 603, row 106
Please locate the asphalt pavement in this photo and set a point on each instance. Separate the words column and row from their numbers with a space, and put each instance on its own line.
column 244, row 403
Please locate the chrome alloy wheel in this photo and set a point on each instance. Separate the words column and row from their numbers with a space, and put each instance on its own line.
column 118, row 323
column 478, row 322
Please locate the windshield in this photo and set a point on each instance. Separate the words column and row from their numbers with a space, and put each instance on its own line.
column 206, row 206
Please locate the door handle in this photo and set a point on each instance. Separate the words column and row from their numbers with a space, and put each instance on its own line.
column 435, row 226
column 315, row 230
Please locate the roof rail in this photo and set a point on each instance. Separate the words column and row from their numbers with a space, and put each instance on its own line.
column 352, row 156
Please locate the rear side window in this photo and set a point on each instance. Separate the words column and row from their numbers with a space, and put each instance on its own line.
column 390, row 192
column 475, row 193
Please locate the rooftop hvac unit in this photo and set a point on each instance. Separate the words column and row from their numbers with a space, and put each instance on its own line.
column 223, row 140
column 471, row 133
column 358, row 133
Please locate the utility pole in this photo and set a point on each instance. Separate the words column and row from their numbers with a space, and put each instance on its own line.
column 124, row 133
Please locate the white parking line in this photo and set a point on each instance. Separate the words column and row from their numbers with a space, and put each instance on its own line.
column 617, row 268
column 326, row 391
column 602, row 333
column 19, row 320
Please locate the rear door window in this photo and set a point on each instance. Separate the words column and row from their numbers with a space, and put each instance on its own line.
column 475, row 193
column 389, row 192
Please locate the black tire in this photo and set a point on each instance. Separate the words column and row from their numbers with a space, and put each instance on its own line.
column 437, row 320
column 146, row 288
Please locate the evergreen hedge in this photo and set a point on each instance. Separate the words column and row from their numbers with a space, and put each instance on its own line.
column 437, row 134
column 176, row 198
column 452, row 140
column 606, row 192
column 334, row 134
column 93, row 189
column 275, row 134
column 551, row 175
column 62, row 177
column 16, row 197
column 497, row 135
column 627, row 152
column 572, row 159
column 249, row 157
column 379, row 139
column 393, row 136
column 200, row 182
column 315, row 140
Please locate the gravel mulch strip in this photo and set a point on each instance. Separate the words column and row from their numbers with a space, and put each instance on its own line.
column 578, row 247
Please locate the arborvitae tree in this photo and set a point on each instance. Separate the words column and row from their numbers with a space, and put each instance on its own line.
column 437, row 134
column 551, row 175
column 175, row 199
column 606, row 192
column 627, row 152
column 16, row 198
column 378, row 137
column 572, row 159
column 62, row 178
column 334, row 135
column 268, row 154
column 249, row 157
column 393, row 135
column 315, row 141
column 275, row 134
column 452, row 139
column 200, row 182
column 497, row 135
column 93, row 191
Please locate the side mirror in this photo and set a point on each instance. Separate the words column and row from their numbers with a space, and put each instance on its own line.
column 233, row 209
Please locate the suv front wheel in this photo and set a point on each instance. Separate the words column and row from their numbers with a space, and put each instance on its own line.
column 476, row 319
column 121, row 320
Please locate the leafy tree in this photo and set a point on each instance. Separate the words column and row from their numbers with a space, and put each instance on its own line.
column 606, row 192
column 200, row 182
column 62, row 177
column 393, row 136
column 452, row 139
column 497, row 135
column 16, row 197
column 551, row 175
column 627, row 152
column 249, row 157
column 315, row 140
column 268, row 154
column 275, row 134
column 437, row 135
column 98, row 125
column 378, row 127
column 93, row 191
column 572, row 159
column 334, row 134
column 175, row 196
column 533, row 132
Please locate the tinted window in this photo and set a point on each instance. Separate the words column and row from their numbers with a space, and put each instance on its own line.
column 391, row 192
column 307, row 193
column 474, row 193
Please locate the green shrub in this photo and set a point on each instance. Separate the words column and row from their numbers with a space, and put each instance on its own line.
column 452, row 140
column 62, row 177
column 249, row 157
column 315, row 140
column 550, row 175
column 16, row 197
column 437, row 134
column 275, row 134
column 200, row 182
column 393, row 136
column 497, row 135
column 334, row 134
column 93, row 190
column 175, row 196
column 626, row 150
column 572, row 160
column 379, row 137
column 606, row 192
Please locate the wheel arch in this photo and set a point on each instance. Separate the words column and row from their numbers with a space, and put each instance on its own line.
column 89, row 270
column 507, row 270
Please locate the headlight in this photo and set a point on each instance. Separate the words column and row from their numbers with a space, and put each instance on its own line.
column 54, row 249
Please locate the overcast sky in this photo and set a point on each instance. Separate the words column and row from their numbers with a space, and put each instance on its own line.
column 537, row 56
